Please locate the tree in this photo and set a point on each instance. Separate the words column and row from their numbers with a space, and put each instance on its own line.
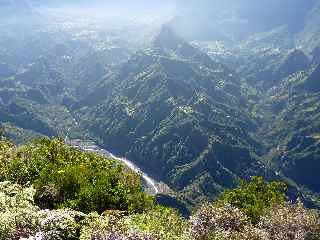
column 255, row 196
column 2, row 131
column 64, row 177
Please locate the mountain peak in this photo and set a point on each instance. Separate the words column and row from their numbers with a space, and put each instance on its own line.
column 167, row 39
column 169, row 44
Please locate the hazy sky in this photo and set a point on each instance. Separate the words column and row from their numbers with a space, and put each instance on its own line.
column 204, row 16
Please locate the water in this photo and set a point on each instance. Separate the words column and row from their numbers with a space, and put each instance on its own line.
column 92, row 147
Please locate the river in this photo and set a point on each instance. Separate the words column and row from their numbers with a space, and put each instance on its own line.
column 151, row 185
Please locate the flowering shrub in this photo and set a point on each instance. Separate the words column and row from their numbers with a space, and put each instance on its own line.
column 111, row 228
column 163, row 222
column 99, row 227
column 59, row 224
column 18, row 214
column 4, row 146
column 226, row 222
column 158, row 224
column 280, row 222
column 64, row 178
column 21, row 218
column 255, row 196
column 289, row 222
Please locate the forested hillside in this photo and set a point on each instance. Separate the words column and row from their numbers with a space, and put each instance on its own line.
column 198, row 97
column 49, row 190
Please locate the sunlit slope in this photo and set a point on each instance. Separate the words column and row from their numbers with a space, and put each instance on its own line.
column 293, row 134
column 181, row 116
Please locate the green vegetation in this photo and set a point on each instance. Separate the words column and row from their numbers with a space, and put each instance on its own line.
column 47, row 173
column 182, row 118
column 65, row 177
column 254, row 197
column 2, row 132
column 196, row 119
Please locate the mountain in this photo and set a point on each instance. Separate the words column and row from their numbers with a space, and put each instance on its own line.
column 45, row 67
column 233, row 95
column 312, row 84
column 308, row 37
column 179, row 115
column 293, row 131
column 233, row 21
column 278, row 63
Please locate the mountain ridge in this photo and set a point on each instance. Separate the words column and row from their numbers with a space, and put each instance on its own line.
column 197, row 115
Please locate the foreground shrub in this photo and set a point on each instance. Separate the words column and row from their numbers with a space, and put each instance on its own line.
column 163, row 222
column 5, row 152
column 222, row 222
column 279, row 222
column 20, row 218
column 65, row 177
column 254, row 197
column 18, row 214
column 158, row 224
column 111, row 228
column 290, row 222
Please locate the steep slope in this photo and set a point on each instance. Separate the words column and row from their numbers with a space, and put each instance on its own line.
column 46, row 65
column 291, row 128
column 265, row 68
column 312, row 84
column 190, row 121
column 301, row 159
column 179, row 115
column 283, row 82
column 308, row 37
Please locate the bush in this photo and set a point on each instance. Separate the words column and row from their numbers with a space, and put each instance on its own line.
column 65, row 177
column 59, row 224
column 222, row 222
column 5, row 147
column 290, row 222
column 2, row 131
column 21, row 218
column 254, row 197
column 161, row 221
column 54, row 175
column 157, row 224
column 18, row 214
